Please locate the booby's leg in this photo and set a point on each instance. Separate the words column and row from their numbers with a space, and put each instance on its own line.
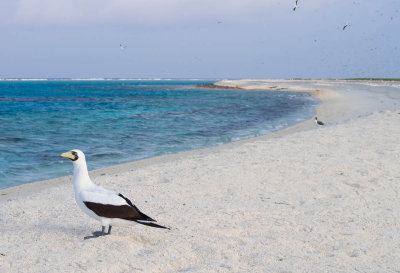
column 102, row 230
column 109, row 230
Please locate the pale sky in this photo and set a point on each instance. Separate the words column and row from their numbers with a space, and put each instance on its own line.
column 199, row 39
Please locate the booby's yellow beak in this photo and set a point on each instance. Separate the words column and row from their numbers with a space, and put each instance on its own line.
column 68, row 155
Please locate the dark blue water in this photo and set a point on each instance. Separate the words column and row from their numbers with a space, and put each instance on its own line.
column 121, row 121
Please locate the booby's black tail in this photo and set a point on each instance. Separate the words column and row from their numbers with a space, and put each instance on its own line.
column 150, row 224
column 142, row 217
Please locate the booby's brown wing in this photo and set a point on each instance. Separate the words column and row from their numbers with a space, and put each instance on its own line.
column 127, row 212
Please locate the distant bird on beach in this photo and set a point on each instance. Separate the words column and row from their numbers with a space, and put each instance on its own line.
column 346, row 25
column 108, row 207
column 295, row 5
column 318, row 122
column 122, row 47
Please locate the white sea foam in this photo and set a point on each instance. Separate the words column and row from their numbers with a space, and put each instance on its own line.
column 90, row 79
column 24, row 79
column 38, row 79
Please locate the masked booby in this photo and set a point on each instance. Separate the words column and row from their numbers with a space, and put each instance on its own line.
column 318, row 122
column 108, row 207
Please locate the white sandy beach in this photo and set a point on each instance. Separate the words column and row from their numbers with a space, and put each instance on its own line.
column 306, row 199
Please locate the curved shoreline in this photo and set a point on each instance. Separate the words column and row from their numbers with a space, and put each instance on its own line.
column 308, row 199
column 335, row 108
column 324, row 96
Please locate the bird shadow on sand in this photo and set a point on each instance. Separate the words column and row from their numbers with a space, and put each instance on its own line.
column 95, row 234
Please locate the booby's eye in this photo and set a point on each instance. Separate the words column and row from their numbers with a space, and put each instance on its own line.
column 75, row 154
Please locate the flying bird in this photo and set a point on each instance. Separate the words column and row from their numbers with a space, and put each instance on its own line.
column 108, row 207
column 295, row 5
column 318, row 122
column 346, row 25
column 122, row 47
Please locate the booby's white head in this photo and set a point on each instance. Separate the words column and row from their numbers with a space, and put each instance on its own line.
column 81, row 177
column 76, row 156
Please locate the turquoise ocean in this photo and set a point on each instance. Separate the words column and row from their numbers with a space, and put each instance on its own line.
column 118, row 121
